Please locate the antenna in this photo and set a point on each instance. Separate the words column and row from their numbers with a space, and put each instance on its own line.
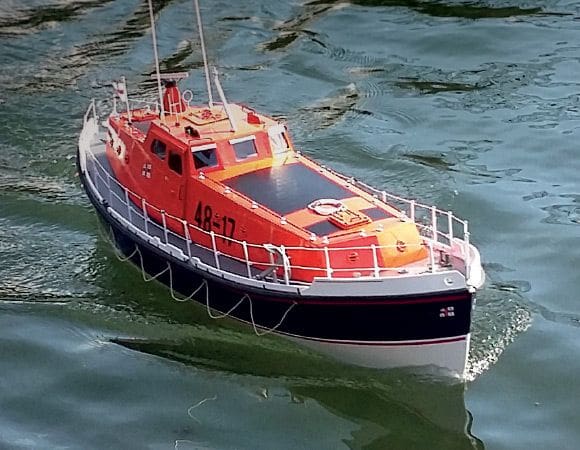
column 156, row 58
column 203, row 54
column 124, row 81
column 218, row 86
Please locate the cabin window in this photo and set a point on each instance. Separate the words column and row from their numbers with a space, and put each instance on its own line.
column 159, row 148
column 174, row 162
column 204, row 156
column 245, row 148
column 143, row 126
column 278, row 139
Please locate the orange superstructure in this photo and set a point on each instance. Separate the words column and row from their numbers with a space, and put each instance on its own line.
column 234, row 172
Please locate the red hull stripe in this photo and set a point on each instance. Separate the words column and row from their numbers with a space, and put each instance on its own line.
column 381, row 344
column 382, row 302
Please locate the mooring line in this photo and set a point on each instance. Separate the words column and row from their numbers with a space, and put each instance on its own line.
column 144, row 273
column 268, row 330
column 190, row 297
column 247, row 296
column 203, row 284
column 222, row 315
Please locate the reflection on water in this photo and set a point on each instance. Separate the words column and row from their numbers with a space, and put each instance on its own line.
column 460, row 158
column 381, row 404
column 565, row 212
column 61, row 70
column 384, row 409
column 433, row 87
column 292, row 29
column 328, row 111
column 471, row 10
column 14, row 19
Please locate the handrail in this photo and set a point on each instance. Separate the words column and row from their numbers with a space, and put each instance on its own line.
column 412, row 205
column 91, row 108
column 431, row 233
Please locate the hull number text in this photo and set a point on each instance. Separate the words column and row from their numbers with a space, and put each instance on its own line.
column 205, row 219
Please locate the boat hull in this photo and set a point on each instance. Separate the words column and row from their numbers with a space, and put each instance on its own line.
column 380, row 331
column 447, row 354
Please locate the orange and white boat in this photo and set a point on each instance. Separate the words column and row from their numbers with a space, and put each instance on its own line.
column 215, row 201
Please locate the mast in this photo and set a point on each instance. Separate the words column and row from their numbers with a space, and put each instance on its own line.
column 203, row 54
column 156, row 59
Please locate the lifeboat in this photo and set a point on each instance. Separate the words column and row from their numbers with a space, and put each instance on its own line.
column 216, row 202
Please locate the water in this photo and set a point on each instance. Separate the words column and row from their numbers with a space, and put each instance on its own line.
column 472, row 106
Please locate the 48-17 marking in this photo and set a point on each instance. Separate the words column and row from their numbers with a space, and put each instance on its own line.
column 204, row 218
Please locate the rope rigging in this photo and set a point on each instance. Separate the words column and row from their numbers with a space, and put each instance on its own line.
column 203, row 284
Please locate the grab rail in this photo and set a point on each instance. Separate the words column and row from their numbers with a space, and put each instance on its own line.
column 426, row 217
column 434, row 238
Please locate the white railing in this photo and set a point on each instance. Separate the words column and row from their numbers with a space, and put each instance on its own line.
column 135, row 103
column 438, row 226
column 433, row 223
column 137, row 211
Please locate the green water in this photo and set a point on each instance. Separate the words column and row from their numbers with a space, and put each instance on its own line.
column 472, row 106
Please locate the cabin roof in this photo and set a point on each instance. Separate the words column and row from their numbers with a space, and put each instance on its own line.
column 199, row 125
column 287, row 188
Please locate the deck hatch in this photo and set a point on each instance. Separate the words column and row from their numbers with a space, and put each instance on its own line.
column 376, row 213
column 346, row 219
column 324, row 228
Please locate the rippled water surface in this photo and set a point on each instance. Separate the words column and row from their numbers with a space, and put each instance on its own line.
column 473, row 106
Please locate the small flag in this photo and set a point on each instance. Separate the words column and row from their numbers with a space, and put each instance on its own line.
column 146, row 171
column 447, row 312
column 120, row 90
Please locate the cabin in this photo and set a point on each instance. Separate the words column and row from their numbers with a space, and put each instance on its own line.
column 229, row 176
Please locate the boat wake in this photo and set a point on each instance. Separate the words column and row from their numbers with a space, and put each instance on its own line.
column 501, row 315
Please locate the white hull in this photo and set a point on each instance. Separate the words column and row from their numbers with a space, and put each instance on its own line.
column 449, row 354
